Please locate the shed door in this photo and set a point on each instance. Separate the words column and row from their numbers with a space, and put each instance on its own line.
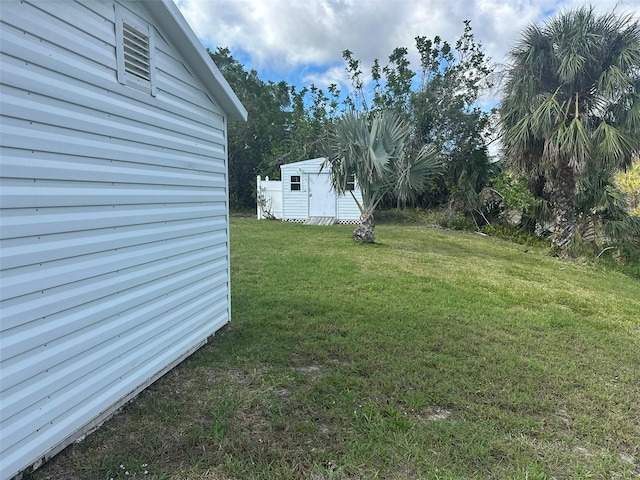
column 322, row 200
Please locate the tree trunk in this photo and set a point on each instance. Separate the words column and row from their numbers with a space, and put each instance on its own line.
column 564, row 208
column 366, row 230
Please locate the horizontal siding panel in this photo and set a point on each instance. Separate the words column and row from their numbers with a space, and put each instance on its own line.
column 100, row 9
column 34, row 310
column 347, row 207
column 48, row 63
column 33, row 53
column 82, row 169
column 175, row 79
column 119, row 291
column 39, row 22
column 42, row 113
column 61, row 427
column 66, row 143
column 39, row 117
column 26, row 280
column 179, row 80
column 173, row 103
column 41, row 82
column 20, row 253
column 295, row 205
column 16, row 196
column 118, row 335
column 93, row 19
column 18, row 223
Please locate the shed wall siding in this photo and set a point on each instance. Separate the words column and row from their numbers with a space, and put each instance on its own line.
column 347, row 208
column 114, row 222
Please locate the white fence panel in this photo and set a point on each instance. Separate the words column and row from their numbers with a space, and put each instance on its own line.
column 269, row 200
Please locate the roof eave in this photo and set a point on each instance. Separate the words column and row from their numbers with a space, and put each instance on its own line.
column 169, row 18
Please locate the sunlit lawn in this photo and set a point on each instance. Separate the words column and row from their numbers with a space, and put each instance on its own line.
column 429, row 355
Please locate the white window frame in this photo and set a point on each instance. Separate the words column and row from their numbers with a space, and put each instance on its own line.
column 351, row 183
column 125, row 77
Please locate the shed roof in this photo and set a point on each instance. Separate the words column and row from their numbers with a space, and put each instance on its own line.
column 168, row 17
column 313, row 163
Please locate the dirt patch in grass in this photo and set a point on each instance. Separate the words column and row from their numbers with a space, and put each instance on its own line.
column 438, row 414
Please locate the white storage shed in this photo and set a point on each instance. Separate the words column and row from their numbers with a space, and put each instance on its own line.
column 305, row 193
column 114, row 212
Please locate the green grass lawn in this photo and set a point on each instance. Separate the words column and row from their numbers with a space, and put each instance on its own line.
column 429, row 355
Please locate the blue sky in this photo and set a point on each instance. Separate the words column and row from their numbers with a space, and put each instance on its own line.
column 301, row 41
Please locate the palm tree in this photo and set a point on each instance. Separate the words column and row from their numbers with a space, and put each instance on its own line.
column 371, row 149
column 572, row 104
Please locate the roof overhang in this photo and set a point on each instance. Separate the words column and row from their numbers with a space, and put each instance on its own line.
column 170, row 20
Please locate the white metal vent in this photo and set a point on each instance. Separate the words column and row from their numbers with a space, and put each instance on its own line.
column 137, row 54
column 135, row 51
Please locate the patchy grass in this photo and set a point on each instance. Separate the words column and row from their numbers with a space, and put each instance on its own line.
column 429, row 355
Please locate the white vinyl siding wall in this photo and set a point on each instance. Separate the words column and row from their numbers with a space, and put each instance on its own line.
column 114, row 226
column 347, row 208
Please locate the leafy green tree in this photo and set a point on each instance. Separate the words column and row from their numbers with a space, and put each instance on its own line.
column 571, row 105
column 253, row 144
column 311, row 113
column 441, row 108
column 446, row 114
column 604, row 219
column 372, row 148
column 284, row 125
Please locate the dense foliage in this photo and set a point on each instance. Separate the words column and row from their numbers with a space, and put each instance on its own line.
column 571, row 116
column 284, row 125
column 570, row 119
column 287, row 125
column 440, row 101
column 629, row 183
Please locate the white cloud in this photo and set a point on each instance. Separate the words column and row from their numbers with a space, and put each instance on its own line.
column 306, row 37
column 323, row 78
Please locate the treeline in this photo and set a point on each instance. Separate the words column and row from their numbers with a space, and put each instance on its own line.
column 440, row 102
column 285, row 125
column 568, row 125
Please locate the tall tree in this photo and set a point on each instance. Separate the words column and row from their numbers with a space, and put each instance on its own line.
column 312, row 112
column 446, row 114
column 572, row 104
column 372, row 148
column 442, row 107
column 254, row 143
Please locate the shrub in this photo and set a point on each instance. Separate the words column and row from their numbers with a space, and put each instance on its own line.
column 514, row 234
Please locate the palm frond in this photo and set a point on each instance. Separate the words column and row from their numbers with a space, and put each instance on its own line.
column 412, row 173
column 612, row 145
column 570, row 80
column 373, row 149
column 575, row 144
column 547, row 115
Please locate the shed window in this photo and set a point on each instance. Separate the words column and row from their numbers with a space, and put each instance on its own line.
column 135, row 51
column 351, row 183
column 295, row 182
